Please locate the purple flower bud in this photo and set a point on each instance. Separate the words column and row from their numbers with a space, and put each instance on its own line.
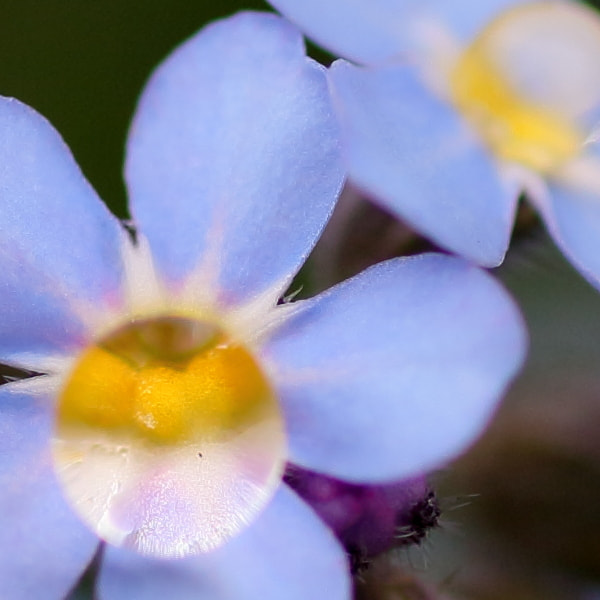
column 369, row 519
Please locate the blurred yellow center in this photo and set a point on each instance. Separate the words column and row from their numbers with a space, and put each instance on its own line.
column 515, row 128
column 168, row 437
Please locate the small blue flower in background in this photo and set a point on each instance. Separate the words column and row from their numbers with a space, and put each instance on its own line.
column 459, row 106
column 176, row 388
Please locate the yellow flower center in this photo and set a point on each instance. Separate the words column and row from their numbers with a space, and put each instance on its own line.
column 504, row 85
column 169, row 438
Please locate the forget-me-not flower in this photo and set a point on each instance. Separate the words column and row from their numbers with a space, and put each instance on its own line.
column 459, row 106
column 176, row 388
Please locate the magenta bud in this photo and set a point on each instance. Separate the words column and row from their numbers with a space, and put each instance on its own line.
column 369, row 519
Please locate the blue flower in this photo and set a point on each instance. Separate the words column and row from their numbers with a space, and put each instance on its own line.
column 176, row 388
column 460, row 106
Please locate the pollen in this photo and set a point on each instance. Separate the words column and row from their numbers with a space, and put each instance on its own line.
column 510, row 89
column 168, row 436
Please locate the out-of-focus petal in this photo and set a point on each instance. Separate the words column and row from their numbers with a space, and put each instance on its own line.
column 233, row 160
column 396, row 370
column 44, row 548
column 376, row 31
column 287, row 553
column 572, row 217
column 464, row 19
column 59, row 245
column 415, row 155
column 365, row 31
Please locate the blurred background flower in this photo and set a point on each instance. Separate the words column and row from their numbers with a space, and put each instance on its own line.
column 461, row 106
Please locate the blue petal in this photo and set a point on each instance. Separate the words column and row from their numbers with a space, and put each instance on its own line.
column 573, row 219
column 233, row 158
column 44, row 548
column 288, row 553
column 59, row 245
column 397, row 370
column 366, row 31
column 415, row 155
column 465, row 18
column 375, row 31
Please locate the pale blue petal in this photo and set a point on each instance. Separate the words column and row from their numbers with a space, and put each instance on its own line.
column 286, row 554
column 397, row 370
column 464, row 19
column 573, row 219
column 375, row 31
column 44, row 548
column 414, row 154
column 59, row 245
column 233, row 158
column 366, row 31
